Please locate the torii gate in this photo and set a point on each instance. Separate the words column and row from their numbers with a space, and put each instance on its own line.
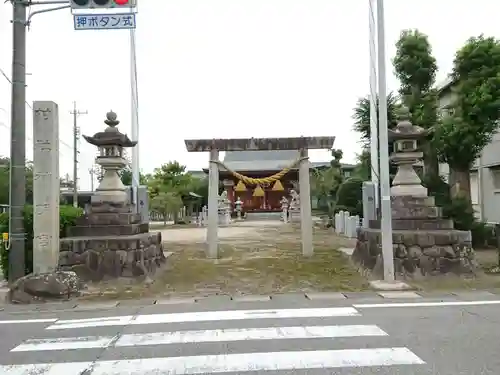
column 302, row 144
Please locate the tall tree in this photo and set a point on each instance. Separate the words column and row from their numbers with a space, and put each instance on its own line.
column 473, row 115
column 171, row 177
column 361, row 119
column 415, row 67
column 361, row 116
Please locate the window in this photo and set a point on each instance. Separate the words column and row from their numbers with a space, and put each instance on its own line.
column 495, row 178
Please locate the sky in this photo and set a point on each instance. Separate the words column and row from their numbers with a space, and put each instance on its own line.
column 224, row 69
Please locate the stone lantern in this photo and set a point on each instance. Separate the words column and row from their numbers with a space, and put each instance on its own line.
column 406, row 155
column 110, row 143
column 424, row 243
column 110, row 240
column 238, row 206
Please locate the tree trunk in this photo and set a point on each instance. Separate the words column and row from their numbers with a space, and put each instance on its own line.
column 460, row 183
column 431, row 163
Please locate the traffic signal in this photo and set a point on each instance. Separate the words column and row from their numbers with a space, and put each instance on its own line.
column 104, row 4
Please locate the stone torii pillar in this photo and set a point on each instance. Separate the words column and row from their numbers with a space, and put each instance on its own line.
column 213, row 197
column 305, row 205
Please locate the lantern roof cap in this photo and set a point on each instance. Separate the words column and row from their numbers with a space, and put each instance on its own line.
column 111, row 136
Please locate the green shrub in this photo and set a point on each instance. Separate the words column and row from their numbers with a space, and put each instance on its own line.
column 350, row 196
column 483, row 235
column 68, row 216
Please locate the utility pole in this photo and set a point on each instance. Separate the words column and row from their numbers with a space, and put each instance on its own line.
column 385, row 187
column 17, row 182
column 374, row 146
column 76, row 137
column 92, row 172
column 18, row 143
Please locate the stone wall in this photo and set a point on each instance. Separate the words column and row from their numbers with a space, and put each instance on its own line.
column 99, row 258
column 417, row 253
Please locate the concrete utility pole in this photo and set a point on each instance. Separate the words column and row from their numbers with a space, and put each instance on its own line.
column 18, row 143
column 374, row 150
column 385, row 187
column 92, row 173
column 76, row 137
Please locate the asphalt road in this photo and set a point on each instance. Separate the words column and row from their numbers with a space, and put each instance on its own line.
column 287, row 337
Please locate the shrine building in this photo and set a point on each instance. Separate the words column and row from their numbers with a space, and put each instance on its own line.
column 264, row 197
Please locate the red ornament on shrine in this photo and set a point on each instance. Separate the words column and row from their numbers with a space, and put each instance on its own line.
column 121, row 2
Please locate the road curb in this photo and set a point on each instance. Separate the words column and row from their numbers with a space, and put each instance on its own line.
column 316, row 297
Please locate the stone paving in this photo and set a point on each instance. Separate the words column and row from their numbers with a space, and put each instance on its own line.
column 244, row 229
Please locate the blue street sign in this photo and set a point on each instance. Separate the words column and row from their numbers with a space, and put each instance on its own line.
column 104, row 21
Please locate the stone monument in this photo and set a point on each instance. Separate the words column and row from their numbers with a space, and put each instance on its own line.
column 424, row 243
column 284, row 209
column 224, row 209
column 110, row 240
column 294, row 206
column 238, row 206
column 46, row 186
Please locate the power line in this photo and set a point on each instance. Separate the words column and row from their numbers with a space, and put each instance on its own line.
column 2, row 72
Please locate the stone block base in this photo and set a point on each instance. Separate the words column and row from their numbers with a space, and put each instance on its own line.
column 417, row 254
column 96, row 258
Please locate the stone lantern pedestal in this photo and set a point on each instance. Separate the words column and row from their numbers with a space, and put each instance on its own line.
column 424, row 243
column 110, row 241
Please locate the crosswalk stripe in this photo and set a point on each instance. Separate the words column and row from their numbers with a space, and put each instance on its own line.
column 65, row 343
column 205, row 316
column 199, row 336
column 27, row 321
column 213, row 364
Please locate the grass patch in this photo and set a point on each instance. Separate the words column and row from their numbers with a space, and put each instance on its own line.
column 269, row 261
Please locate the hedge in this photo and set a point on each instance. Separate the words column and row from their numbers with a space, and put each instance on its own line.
column 68, row 216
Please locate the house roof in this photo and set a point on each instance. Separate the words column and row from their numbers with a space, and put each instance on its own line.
column 444, row 86
column 274, row 160
column 260, row 160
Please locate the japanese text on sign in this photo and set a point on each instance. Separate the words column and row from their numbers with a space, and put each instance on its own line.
column 104, row 21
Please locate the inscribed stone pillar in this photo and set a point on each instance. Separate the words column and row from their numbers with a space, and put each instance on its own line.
column 305, row 205
column 213, row 196
column 46, row 186
column 369, row 207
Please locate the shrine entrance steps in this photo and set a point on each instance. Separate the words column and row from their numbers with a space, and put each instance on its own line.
column 253, row 216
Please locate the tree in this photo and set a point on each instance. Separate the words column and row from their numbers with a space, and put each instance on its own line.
column 350, row 196
column 166, row 203
column 415, row 67
column 326, row 182
column 361, row 116
column 171, row 177
column 472, row 117
column 363, row 166
column 200, row 186
column 126, row 177
column 5, row 181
